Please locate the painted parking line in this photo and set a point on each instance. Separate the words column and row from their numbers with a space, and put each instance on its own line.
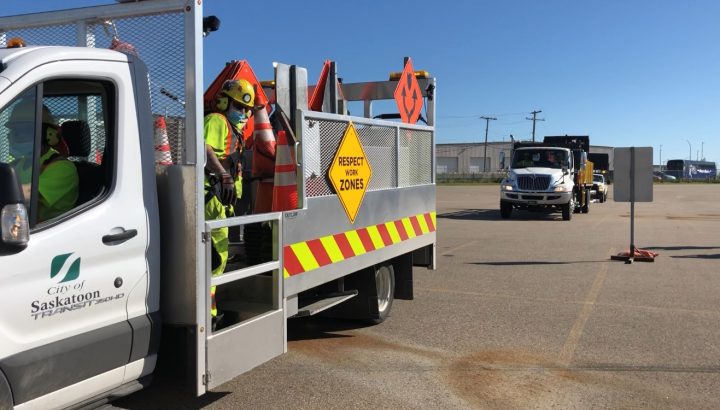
column 573, row 338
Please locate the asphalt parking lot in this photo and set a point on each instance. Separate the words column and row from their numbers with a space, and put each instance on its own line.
column 528, row 312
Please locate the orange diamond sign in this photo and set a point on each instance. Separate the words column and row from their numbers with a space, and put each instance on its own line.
column 350, row 172
column 408, row 95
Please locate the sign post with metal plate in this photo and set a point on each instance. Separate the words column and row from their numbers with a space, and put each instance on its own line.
column 632, row 183
column 350, row 172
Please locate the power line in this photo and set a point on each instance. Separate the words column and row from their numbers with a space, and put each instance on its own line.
column 507, row 114
column 458, row 116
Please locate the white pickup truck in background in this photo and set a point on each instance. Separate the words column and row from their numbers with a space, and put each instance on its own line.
column 599, row 188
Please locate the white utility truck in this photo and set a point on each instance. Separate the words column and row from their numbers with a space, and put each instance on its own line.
column 93, row 297
column 539, row 178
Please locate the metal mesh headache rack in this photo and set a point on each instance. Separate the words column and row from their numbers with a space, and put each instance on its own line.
column 164, row 56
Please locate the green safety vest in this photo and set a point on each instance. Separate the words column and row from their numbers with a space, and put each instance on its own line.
column 58, row 183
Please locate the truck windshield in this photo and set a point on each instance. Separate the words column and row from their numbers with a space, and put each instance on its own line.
column 540, row 157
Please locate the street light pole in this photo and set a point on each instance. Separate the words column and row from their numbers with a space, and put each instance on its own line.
column 487, row 124
column 702, row 150
column 690, row 145
column 661, row 168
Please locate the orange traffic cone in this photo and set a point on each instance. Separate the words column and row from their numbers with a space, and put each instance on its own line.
column 162, row 145
column 123, row 47
column 263, row 161
column 285, row 189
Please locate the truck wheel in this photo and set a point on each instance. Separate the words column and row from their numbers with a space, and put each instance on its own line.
column 385, row 285
column 376, row 292
column 567, row 210
column 575, row 203
column 505, row 209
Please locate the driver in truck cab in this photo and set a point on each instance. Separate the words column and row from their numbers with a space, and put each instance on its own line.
column 551, row 160
column 58, row 182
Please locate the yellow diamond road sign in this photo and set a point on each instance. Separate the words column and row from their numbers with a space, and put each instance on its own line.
column 350, row 172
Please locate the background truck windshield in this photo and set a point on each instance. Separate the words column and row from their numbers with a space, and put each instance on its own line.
column 540, row 157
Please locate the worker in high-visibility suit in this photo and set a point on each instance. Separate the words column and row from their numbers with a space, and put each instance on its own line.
column 223, row 138
column 58, row 182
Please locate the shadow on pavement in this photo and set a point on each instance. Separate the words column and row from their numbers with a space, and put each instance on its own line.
column 316, row 327
column 169, row 391
column 165, row 392
column 472, row 215
column 679, row 248
column 711, row 256
column 528, row 263
column 494, row 215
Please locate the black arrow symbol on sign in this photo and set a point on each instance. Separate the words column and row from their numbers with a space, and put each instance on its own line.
column 411, row 110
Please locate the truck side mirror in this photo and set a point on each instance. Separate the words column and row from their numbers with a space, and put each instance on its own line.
column 14, row 224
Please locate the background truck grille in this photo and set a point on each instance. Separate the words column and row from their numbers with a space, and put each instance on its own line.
column 534, row 182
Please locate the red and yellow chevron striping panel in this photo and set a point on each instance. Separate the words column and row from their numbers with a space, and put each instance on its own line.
column 305, row 256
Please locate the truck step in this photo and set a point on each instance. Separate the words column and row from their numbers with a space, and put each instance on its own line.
column 326, row 302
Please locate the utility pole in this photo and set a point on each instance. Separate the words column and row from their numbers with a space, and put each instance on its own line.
column 689, row 145
column 661, row 168
column 487, row 124
column 533, row 119
column 702, row 150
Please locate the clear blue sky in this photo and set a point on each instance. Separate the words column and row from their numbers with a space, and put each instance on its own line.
column 642, row 73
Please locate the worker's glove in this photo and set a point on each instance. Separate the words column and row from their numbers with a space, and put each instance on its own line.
column 227, row 190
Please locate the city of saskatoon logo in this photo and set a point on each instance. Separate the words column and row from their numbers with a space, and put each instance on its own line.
column 71, row 273
column 68, row 294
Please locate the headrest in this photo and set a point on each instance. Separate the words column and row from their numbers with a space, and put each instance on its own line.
column 77, row 135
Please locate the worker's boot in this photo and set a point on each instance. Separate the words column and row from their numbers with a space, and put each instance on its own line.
column 217, row 322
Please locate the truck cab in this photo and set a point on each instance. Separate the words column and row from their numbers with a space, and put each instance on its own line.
column 94, row 260
column 539, row 178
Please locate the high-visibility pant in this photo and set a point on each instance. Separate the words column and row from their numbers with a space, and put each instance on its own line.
column 214, row 209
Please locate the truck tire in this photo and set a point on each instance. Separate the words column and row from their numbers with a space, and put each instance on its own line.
column 376, row 292
column 567, row 210
column 505, row 210
column 385, row 285
column 576, row 201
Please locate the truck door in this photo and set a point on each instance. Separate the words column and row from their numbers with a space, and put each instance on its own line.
column 64, row 332
column 250, row 327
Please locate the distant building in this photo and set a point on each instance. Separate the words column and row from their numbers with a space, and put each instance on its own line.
column 470, row 158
